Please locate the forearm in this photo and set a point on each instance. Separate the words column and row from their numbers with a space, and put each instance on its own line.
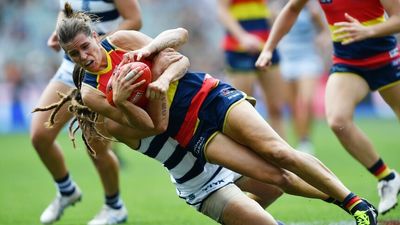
column 159, row 112
column 391, row 26
column 228, row 21
column 173, row 38
column 176, row 70
column 136, row 116
column 282, row 25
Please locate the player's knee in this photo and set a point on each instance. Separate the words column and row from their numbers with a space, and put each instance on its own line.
column 275, row 112
column 41, row 140
column 338, row 123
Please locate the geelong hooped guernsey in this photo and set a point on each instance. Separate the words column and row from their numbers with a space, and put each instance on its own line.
column 253, row 17
column 105, row 11
column 194, row 178
column 373, row 52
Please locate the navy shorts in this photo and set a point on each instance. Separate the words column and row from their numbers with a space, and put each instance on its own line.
column 377, row 78
column 245, row 62
column 211, row 116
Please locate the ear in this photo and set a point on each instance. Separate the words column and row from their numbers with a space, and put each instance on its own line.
column 95, row 36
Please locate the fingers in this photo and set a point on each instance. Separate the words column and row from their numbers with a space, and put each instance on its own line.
column 263, row 63
column 350, row 18
column 135, row 73
column 155, row 90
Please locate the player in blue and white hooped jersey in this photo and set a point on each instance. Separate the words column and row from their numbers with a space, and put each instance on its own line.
column 211, row 189
column 208, row 118
column 111, row 16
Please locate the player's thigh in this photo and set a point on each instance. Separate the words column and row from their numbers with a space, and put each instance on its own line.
column 40, row 119
column 246, row 126
column 343, row 92
column 265, row 193
column 224, row 151
column 273, row 86
column 391, row 95
column 243, row 81
column 241, row 209
column 230, row 206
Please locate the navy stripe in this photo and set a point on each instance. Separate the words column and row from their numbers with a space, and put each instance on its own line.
column 197, row 169
column 188, row 87
column 364, row 49
column 175, row 158
column 106, row 45
column 257, row 24
column 106, row 16
column 90, row 79
column 156, row 145
column 213, row 176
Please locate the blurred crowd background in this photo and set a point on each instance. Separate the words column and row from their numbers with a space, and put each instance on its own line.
column 26, row 63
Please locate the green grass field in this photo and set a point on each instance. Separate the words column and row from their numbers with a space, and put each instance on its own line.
column 26, row 187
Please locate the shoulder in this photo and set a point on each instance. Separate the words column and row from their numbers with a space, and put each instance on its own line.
column 129, row 39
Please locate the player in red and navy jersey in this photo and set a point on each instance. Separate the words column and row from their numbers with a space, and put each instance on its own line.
column 365, row 58
column 247, row 25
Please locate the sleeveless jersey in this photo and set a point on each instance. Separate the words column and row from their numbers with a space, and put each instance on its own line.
column 253, row 17
column 370, row 53
column 99, row 80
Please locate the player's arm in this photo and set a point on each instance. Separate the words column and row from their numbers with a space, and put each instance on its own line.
column 168, row 66
column 142, row 46
column 131, row 14
column 138, row 118
column 52, row 42
column 283, row 23
column 248, row 42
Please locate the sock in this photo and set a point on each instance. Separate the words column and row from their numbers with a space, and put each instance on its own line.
column 114, row 201
column 352, row 203
column 65, row 185
column 381, row 171
column 336, row 202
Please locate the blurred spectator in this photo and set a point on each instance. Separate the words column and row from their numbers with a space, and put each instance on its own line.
column 13, row 76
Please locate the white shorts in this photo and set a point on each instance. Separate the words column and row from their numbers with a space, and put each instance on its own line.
column 196, row 197
column 64, row 73
column 301, row 66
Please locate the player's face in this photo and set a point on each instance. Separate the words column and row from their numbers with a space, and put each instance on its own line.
column 85, row 51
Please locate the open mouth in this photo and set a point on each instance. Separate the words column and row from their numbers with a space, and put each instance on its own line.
column 88, row 63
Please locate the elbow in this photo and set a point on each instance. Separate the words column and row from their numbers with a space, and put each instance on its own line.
column 161, row 128
column 184, row 34
column 185, row 62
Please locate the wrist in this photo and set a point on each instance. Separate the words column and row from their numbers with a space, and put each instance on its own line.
column 122, row 104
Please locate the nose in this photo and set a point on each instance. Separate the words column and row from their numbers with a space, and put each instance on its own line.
column 83, row 55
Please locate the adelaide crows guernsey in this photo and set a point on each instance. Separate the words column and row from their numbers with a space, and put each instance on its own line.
column 253, row 17
column 372, row 52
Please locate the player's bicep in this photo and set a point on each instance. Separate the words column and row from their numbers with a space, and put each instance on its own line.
column 391, row 7
column 129, row 40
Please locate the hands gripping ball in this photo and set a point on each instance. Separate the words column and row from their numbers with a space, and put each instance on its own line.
column 138, row 95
